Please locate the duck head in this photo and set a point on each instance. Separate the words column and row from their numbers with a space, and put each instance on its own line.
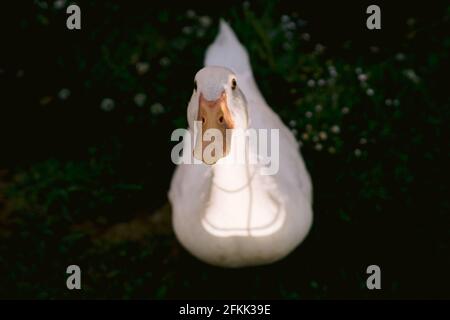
column 217, row 106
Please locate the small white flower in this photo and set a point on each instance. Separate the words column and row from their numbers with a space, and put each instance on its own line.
column 411, row 75
column 321, row 82
column 142, row 67
column 107, row 104
column 140, row 99
column 345, row 110
column 285, row 18
column 318, row 108
column 362, row 77
column 374, row 49
column 306, row 36
column 400, row 56
column 335, row 129
column 187, row 30
column 319, row 48
column 292, row 123
column 311, row 83
column 59, row 4
column 363, row 141
column 157, row 108
column 323, row 135
column 190, row 14
column 370, row 92
column 358, row 152
column 388, row 102
column 42, row 4
column 308, row 114
column 164, row 61
column 305, row 136
column 63, row 94
column 290, row 25
column 318, row 146
column 205, row 21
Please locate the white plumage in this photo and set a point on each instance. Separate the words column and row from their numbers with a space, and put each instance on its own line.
column 232, row 215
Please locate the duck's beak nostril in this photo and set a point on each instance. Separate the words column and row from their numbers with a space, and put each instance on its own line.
column 215, row 115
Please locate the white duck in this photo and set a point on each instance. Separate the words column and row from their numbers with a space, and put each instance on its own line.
column 234, row 215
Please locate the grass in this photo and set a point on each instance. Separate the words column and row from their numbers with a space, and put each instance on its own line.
column 88, row 168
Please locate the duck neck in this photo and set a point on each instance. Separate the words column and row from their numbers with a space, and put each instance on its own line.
column 234, row 172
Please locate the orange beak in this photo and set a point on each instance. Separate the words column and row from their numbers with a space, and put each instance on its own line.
column 213, row 115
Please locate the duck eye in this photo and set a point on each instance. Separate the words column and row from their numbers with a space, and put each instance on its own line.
column 195, row 85
column 233, row 84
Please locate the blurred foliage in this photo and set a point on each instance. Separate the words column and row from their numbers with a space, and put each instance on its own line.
column 92, row 113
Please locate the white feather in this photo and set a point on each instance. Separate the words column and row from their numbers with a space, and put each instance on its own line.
column 285, row 198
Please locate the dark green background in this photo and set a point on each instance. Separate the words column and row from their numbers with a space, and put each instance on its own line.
column 80, row 185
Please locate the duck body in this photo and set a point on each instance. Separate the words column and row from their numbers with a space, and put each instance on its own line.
column 234, row 215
